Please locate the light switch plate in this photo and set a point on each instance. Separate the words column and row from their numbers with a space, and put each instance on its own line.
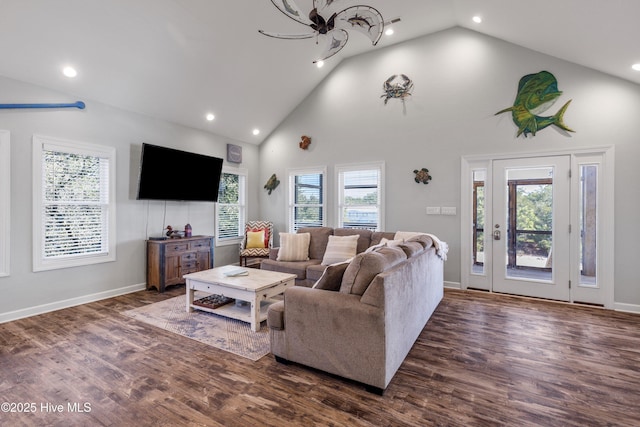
column 433, row 210
column 448, row 210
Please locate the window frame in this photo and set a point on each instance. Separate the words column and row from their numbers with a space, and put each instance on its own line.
column 353, row 167
column 291, row 207
column 5, row 203
column 242, row 205
column 43, row 143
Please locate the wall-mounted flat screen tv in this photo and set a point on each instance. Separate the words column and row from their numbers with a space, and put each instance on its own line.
column 170, row 174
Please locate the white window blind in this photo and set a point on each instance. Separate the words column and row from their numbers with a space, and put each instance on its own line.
column 306, row 199
column 75, row 204
column 231, row 208
column 75, row 218
column 360, row 202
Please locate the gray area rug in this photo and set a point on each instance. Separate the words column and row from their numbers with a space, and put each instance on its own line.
column 220, row 332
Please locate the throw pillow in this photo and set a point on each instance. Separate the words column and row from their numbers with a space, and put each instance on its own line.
column 405, row 235
column 294, row 247
column 331, row 279
column 366, row 266
column 390, row 243
column 255, row 239
column 340, row 248
column 266, row 235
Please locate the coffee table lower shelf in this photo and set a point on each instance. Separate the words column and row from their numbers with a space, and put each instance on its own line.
column 257, row 287
column 242, row 312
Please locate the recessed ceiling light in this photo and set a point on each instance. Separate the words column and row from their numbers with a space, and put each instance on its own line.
column 210, row 117
column 477, row 19
column 69, row 72
column 319, row 64
column 389, row 31
column 636, row 66
column 256, row 131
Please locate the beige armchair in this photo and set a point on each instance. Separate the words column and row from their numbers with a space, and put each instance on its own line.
column 258, row 239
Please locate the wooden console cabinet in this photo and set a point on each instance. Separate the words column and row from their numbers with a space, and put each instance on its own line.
column 168, row 260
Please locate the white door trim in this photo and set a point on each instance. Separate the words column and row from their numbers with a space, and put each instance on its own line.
column 606, row 243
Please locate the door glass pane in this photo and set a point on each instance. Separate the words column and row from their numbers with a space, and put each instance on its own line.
column 478, row 221
column 530, row 220
column 588, row 221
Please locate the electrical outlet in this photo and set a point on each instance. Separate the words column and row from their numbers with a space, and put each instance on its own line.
column 448, row 210
column 433, row 210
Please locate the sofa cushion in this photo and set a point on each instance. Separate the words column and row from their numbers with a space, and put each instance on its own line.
column 365, row 266
column 294, row 247
column 319, row 239
column 425, row 240
column 314, row 272
column 387, row 242
column 377, row 236
column 275, row 315
column 299, row 268
column 331, row 278
column 340, row 248
column 411, row 248
column 364, row 241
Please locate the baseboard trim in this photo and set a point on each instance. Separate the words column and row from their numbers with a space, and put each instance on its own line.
column 72, row 302
column 627, row 308
column 453, row 285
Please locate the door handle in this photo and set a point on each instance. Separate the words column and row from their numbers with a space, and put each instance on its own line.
column 496, row 235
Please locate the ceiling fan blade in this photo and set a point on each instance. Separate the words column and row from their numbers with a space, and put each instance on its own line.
column 292, row 10
column 323, row 4
column 288, row 36
column 336, row 39
column 364, row 19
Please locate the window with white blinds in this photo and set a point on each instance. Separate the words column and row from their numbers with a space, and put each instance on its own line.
column 361, row 196
column 306, row 198
column 231, row 208
column 75, row 205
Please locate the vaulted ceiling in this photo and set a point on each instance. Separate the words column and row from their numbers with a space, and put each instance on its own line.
column 178, row 60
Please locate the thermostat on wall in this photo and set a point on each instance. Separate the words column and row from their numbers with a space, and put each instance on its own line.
column 234, row 153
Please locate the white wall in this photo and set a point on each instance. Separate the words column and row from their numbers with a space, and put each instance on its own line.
column 461, row 79
column 25, row 292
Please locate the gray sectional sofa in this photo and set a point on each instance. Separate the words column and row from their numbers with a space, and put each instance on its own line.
column 308, row 272
column 360, row 318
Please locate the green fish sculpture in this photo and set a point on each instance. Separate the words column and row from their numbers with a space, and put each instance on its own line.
column 272, row 183
column 536, row 94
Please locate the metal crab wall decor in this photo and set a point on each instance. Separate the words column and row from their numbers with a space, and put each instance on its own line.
column 398, row 87
column 422, row 176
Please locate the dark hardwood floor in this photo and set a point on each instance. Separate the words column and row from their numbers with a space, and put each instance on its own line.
column 482, row 360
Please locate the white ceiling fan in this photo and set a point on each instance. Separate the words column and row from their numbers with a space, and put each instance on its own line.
column 332, row 25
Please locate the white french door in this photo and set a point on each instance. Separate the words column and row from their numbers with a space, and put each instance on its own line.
column 530, row 227
column 539, row 226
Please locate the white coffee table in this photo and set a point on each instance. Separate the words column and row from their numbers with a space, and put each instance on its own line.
column 256, row 288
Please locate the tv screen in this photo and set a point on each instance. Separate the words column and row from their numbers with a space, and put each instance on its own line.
column 170, row 174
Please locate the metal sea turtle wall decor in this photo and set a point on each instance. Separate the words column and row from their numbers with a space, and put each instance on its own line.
column 272, row 183
column 422, row 176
